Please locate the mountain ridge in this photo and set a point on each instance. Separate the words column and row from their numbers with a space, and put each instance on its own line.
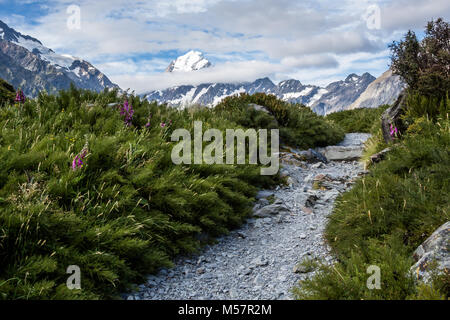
column 25, row 62
column 336, row 96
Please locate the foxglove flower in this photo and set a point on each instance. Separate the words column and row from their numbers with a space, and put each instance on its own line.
column 20, row 97
column 148, row 121
column 127, row 112
column 393, row 131
column 77, row 162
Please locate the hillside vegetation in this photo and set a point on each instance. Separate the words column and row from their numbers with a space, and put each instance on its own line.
column 358, row 120
column 403, row 199
column 87, row 179
column 299, row 125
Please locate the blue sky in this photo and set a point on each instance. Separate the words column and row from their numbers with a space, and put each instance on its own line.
column 316, row 42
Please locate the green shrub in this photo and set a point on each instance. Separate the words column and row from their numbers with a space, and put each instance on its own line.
column 299, row 126
column 358, row 120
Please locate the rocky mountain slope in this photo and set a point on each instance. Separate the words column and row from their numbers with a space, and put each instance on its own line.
column 383, row 90
column 335, row 97
column 25, row 62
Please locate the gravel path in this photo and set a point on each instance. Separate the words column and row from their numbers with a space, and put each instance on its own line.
column 258, row 260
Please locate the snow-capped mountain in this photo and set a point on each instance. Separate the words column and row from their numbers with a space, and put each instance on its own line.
column 191, row 61
column 384, row 90
column 25, row 62
column 337, row 96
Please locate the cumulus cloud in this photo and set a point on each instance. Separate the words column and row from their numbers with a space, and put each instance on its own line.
column 314, row 41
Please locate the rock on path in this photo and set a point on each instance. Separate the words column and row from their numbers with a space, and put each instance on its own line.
column 258, row 260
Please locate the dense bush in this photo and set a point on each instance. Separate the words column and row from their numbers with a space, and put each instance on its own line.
column 299, row 126
column 81, row 184
column 425, row 65
column 358, row 120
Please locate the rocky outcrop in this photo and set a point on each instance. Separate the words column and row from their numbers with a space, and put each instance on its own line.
column 391, row 119
column 350, row 149
column 384, row 90
column 433, row 255
column 377, row 157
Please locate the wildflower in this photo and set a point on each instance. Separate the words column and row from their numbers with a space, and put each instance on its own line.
column 163, row 124
column 77, row 162
column 393, row 131
column 148, row 121
column 20, row 97
column 127, row 111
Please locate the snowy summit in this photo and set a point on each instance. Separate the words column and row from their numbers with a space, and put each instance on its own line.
column 191, row 61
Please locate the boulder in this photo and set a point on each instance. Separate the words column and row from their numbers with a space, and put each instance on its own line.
column 271, row 210
column 351, row 148
column 311, row 201
column 311, row 156
column 257, row 107
column 392, row 116
column 264, row 194
column 342, row 153
column 433, row 254
column 377, row 157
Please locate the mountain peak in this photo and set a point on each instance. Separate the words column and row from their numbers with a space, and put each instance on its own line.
column 191, row 61
column 27, row 63
column 9, row 34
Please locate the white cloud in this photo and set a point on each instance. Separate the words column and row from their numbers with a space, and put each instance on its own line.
column 314, row 41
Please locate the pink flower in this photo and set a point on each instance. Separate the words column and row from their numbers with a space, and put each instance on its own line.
column 393, row 131
column 20, row 97
column 163, row 124
column 127, row 111
column 77, row 162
